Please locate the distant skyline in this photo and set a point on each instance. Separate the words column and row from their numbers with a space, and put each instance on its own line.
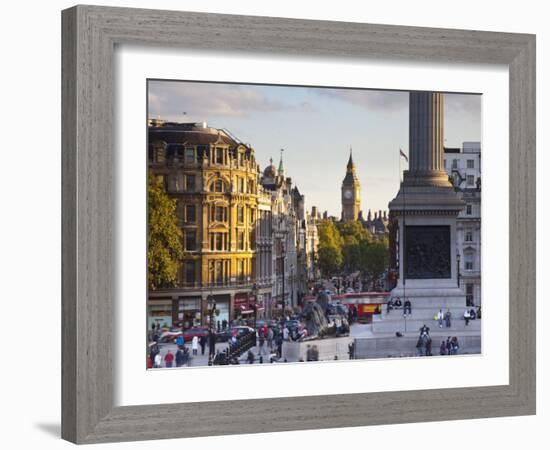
column 316, row 127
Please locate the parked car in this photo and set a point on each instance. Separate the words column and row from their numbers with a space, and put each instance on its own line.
column 190, row 333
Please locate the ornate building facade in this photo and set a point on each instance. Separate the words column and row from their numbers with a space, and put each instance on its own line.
column 213, row 179
column 248, row 245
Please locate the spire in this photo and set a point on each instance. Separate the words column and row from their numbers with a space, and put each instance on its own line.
column 351, row 166
column 281, row 167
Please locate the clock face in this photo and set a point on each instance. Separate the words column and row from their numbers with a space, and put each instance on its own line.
column 347, row 194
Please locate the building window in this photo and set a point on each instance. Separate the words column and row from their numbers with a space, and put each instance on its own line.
column 190, row 272
column 219, row 155
column 455, row 163
column 218, row 241
column 219, row 214
column 470, row 180
column 240, row 240
column 252, row 216
column 189, row 155
column 469, row 261
column 240, row 184
column 445, row 163
column 470, row 294
column 468, row 236
column 190, row 183
column 180, row 212
column 190, row 214
column 218, row 186
column 240, row 214
column 470, row 163
column 190, row 240
column 469, row 210
column 240, row 269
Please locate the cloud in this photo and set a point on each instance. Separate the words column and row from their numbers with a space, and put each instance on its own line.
column 379, row 100
column 199, row 101
column 463, row 104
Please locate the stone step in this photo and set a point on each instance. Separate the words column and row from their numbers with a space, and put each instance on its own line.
column 385, row 347
column 400, row 324
column 420, row 314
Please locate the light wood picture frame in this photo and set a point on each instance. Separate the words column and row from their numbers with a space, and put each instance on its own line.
column 90, row 34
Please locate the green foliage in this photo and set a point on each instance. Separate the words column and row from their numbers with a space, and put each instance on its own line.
column 349, row 247
column 329, row 253
column 354, row 228
column 374, row 259
column 165, row 250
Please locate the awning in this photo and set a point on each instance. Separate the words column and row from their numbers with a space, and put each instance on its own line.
column 245, row 309
column 259, row 307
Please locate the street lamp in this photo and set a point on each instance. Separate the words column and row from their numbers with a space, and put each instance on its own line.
column 255, row 292
column 283, row 253
column 458, row 268
column 292, row 285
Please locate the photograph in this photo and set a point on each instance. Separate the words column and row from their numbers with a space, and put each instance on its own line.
column 290, row 224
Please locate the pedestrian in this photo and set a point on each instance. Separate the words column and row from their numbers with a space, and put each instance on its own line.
column 428, row 341
column 195, row 345
column 157, row 362
column 180, row 357
column 180, row 342
column 397, row 303
column 448, row 319
column 439, row 316
column 168, row 359
column 279, row 345
column 389, row 306
column 270, row 336
column 250, row 357
column 454, row 344
column 149, row 362
column 466, row 317
column 449, row 346
column 224, row 324
column 443, row 348
column 407, row 308
column 202, row 342
column 262, row 342
column 186, row 358
column 314, row 353
column 285, row 333
column 424, row 329
column 420, row 346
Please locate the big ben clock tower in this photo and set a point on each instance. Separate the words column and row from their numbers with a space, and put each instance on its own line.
column 351, row 193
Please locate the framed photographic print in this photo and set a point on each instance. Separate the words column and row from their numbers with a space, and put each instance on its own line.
column 278, row 222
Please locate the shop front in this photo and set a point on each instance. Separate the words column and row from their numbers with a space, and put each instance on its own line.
column 242, row 309
column 159, row 313
column 187, row 312
column 221, row 315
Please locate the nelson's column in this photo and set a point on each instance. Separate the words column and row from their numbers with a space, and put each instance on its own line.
column 424, row 216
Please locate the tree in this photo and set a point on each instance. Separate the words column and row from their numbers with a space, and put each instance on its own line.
column 354, row 228
column 374, row 259
column 351, row 252
column 329, row 252
column 165, row 250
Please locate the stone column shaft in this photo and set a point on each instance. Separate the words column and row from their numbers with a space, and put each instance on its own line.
column 425, row 131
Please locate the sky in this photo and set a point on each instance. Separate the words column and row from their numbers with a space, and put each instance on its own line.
column 316, row 127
